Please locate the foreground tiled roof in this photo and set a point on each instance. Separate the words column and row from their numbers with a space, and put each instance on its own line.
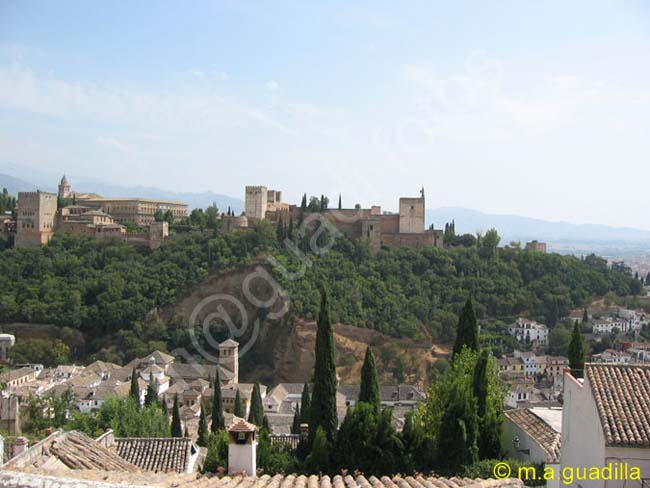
column 71, row 450
column 622, row 396
column 547, row 437
column 159, row 455
column 116, row 480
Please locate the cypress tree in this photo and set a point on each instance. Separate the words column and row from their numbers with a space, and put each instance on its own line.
column 319, row 459
column 135, row 389
column 239, row 411
column 576, row 352
column 305, row 405
column 340, row 207
column 369, row 391
column 203, row 428
column 303, row 203
column 256, row 414
column 480, row 383
column 467, row 330
column 489, row 422
column 323, row 400
column 279, row 230
column 177, row 429
column 290, row 231
column 295, row 426
column 457, row 439
column 152, row 391
column 218, row 422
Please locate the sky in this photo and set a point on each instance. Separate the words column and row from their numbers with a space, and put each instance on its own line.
column 539, row 109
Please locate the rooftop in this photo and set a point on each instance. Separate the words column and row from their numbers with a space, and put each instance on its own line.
column 539, row 430
column 171, row 454
column 622, row 396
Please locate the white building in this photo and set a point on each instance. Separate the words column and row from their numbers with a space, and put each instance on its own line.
column 533, row 436
column 606, row 420
column 529, row 331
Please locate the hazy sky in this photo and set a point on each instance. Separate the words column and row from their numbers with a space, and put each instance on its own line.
column 538, row 108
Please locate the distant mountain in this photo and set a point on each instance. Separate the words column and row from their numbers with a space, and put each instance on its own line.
column 14, row 185
column 561, row 236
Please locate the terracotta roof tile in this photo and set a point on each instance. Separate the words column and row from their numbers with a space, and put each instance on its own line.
column 547, row 437
column 622, row 396
column 156, row 454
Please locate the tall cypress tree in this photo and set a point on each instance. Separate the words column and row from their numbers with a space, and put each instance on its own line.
column 295, row 426
column 239, row 410
column 279, row 230
column 457, row 439
column 585, row 316
column 369, row 391
column 135, row 388
column 203, row 428
column 467, row 330
column 177, row 429
column 323, row 399
column 488, row 421
column 340, row 207
column 576, row 352
column 218, row 422
column 256, row 414
column 305, row 404
column 152, row 391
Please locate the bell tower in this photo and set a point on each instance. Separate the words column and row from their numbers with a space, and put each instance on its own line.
column 64, row 188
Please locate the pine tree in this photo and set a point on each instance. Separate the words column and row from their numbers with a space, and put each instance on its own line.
column 295, row 425
column 256, row 414
column 576, row 352
column 323, row 400
column 203, row 428
column 135, row 389
column 238, row 410
column 218, row 422
column 467, row 329
column 369, row 391
column 305, row 405
column 177, row 429
column 585, row 316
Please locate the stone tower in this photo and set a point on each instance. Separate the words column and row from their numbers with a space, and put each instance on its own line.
column 35, row 218
column 229, row 357
column 256, row 202
column 64, row 188
column 411, row 214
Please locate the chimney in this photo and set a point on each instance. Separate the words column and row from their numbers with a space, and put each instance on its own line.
column 242, row 449
column 19, row 446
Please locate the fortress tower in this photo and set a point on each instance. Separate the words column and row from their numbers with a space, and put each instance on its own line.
column 257, row 199
column 35, row 218
column 64, row 188
column 411, row 214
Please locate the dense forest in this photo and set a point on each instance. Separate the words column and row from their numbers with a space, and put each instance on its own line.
column 105, row 289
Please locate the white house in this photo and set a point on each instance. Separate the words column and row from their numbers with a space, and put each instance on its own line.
column 606, row 420
column 529, row 331
column 533, row 436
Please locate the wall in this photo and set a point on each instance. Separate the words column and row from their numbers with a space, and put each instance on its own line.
column 35, row 218
column 411, row 215
column 256, row 202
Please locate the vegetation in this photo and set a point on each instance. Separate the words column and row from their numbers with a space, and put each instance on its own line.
column 124, row 417
column 577, row 352
column 467, row 330
column 256, row 414
column 218, row 422
column 238, row 408
column 7, row 202
column 369, row 391
column 105, row 289
column 177, row 429
column 217, row 453
column 323, row 398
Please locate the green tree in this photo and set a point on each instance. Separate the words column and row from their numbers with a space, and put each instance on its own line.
column 489, row 444
column 217, row 453
column 305, row 404
column 295, row 425
column 585, row 316
column 577, row 352
column 340, row 207
column 318, row 460
column 323, row 399
column 152, row 391
column 218, row 422
column 467, row 329
column 135, row 388
column 256, row 413
column 238, row 409
column 177, row 429
column 369, row 391
column 203, row 428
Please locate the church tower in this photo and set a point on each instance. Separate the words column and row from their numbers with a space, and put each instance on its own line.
column 64, row 188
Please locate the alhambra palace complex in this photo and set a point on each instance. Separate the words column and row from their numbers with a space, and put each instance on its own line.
column 41, row 214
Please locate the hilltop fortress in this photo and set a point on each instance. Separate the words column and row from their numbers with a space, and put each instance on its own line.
column 404, row 229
